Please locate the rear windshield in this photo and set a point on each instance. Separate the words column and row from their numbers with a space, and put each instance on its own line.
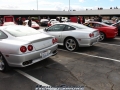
column 79, row 26
column 21, row 31
column 104, row 24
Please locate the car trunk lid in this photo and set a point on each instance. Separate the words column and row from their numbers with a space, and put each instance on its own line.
column 39, row 41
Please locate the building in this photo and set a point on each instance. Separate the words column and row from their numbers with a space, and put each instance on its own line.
column 53, row 14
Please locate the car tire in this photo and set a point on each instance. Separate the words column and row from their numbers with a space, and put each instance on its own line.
column 102, row 36
column 3, row 64
column 71, row 44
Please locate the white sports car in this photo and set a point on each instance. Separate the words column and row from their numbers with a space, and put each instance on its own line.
column 21, row 46
column 73, row 35
column 52, row 22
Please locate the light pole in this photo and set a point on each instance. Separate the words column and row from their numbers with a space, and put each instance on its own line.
column 69, row 5
column 37, row 4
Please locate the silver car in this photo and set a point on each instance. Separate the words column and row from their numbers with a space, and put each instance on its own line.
column 21, row 46
column 73, row 35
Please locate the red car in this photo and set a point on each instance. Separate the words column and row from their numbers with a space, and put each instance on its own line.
column 106, row 31
column 8, row 20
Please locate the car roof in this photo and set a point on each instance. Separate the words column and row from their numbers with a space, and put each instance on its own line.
column 66, row 23
column 93, row 22
column 116, row 23
column 12, row 26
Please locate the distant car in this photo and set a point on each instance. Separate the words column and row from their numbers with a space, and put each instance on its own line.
column 21, row 46
column 106, row 31
column 73, row 35
column 118, row 27
column 44, row 22
column 8, row 20
column 34, row 24
column 107, row 22
column 52, row 22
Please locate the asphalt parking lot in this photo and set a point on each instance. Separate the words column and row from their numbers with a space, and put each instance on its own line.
column 96, row 68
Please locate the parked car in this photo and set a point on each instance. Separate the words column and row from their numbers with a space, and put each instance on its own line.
column 44, row 22
column 8, row 20
column 73, row 35
column 106, row 31
column 109, row 22
column 52, row 22
column 21, row 46
column 118, row 27
column 34, row 24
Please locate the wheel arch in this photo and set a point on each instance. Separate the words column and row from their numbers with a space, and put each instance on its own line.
column 3, row 57
column 69, row 37
column 1, row 53
column 104, row 33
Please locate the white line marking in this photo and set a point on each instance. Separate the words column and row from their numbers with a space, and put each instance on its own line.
column 109, row 44
column 32, row 78
column 116, row 38
column 92, row 56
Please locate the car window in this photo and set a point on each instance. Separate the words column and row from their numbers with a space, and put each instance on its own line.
column 96, row 25
column 89, row 24
column 80, row 26
column 21, row 31
column 68, row 28
column 117, row 24
column 58, row 27
column 2, row 35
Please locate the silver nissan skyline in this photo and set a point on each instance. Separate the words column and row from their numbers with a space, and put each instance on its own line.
column 73, row 35
column 21, row 46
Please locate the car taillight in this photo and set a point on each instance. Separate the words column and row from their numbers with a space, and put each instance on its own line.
column 23, row 49
column 54, row 40
column 91, row 34
column 30, row 47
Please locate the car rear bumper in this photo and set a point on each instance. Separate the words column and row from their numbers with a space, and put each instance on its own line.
column 36, row 28
column 112, row 35
column 30, row 58
column 88, row 42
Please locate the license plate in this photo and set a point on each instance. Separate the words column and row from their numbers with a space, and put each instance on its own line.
column 45, row 53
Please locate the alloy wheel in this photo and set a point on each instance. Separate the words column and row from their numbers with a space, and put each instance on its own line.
column 102, row 37
column 70, row 44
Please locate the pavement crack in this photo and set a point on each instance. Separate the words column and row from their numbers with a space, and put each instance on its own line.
column 80, row 80
column 55, row 69
column 107, row 74
column 47, row 67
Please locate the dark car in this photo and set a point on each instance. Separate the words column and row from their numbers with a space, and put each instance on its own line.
column 107, row 22
column 44, row 22
column 118, row 27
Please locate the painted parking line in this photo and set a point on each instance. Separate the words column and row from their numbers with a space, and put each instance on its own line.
column 109, row 44
column 32, row 78
column 116, row 38
column 111, row 59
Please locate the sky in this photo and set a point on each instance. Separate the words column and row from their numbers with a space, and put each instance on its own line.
column 58, row 4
